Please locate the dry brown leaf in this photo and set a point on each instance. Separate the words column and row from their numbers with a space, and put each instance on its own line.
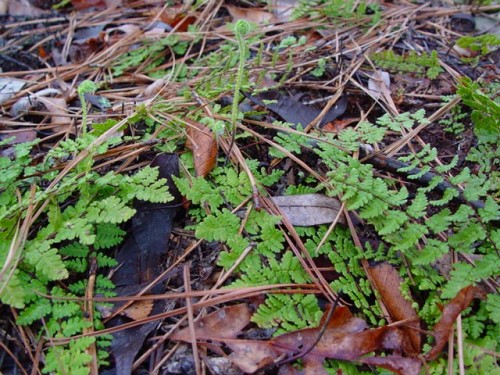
column 309, row 209
column 86, row 4
column 251, row 356
column 387, row 282
column 254, row 15
column 201, row 141
column 450, row 313
column 175, row 16
column 225, row 323
column 139, row 310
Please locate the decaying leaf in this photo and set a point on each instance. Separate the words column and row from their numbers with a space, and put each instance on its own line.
column 202, row 142
column 349, row 341
column 387, row 282
column 309, row 209
column 345, row 337
column 450, row 313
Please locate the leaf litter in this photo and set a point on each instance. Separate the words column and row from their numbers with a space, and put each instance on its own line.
column 37, row 92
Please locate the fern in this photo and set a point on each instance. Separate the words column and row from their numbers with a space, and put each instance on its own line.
column 80, row 221
column 276, row 312
column 410, row 63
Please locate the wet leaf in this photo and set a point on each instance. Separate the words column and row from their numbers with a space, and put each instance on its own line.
column 450, row 313
column 387, row 282
column 201, row 141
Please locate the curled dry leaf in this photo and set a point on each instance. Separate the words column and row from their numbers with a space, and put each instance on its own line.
column 201, row 141
column 387, row 282
column 450, row 313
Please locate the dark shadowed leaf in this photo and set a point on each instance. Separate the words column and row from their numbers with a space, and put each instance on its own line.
column 139, row 260
column 293, row 111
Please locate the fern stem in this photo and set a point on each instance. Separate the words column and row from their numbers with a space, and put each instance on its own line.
column 241, row 29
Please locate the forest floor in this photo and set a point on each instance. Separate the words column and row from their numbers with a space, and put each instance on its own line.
column 332, row 174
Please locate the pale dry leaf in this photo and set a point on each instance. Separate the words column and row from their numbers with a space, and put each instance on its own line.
column 283, row 9
column 9, row 87
column 309, row 209
column 155, row 87
column 379, row 83
column 4, row 5
column 58, row 110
